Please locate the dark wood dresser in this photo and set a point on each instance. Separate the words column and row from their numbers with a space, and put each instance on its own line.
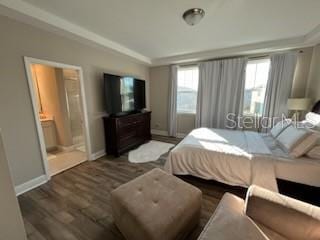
column 126, row 132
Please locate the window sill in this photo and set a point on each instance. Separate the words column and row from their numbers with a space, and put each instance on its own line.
column 251, row 116
column 186, row 113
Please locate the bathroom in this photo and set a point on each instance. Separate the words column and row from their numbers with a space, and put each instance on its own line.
column 58, row 98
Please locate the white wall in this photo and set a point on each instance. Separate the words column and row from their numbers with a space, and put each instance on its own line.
column 16, row 118
column 300, row 80
column 159, row 95
column 11, row 223
column 313, row 89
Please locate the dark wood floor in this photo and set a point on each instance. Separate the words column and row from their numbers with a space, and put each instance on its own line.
column 76, row 203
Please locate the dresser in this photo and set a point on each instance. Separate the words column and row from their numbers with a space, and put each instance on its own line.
column 126, row 132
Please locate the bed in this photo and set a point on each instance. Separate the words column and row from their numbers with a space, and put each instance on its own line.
column 240, row 158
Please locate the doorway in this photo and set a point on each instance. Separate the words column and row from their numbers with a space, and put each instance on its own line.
column 60, row 111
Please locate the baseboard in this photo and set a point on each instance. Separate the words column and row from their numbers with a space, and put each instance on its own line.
column 159, row 132
column 181, row 135
column 165, row 133
column 96, row 155
column 27, row 186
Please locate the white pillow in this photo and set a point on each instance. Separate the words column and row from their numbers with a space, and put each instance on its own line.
column 304, row 145
column 291, row 136
column 314, row 152
column 313, row 118
column 279, row 127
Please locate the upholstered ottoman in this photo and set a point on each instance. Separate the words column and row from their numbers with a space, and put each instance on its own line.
column 156, row 206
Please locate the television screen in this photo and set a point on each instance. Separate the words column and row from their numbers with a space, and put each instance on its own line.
column 123, row 94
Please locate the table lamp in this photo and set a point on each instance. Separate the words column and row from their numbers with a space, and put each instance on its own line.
column 297, row 105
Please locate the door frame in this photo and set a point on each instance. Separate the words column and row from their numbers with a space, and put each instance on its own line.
column 28, row 61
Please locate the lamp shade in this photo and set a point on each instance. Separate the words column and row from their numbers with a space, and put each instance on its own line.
column 299, row 104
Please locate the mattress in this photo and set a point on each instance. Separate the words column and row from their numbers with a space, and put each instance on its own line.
column 239, row 158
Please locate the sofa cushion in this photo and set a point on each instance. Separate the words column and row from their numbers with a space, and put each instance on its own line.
column 272, row 235
column 229, row 222
column 288, row 217
column 156, row 206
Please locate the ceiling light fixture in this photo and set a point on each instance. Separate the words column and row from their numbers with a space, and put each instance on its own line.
column 193, row 16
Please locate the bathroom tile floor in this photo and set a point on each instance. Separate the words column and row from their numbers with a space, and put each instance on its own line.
column 65, row 160
column 82, row 148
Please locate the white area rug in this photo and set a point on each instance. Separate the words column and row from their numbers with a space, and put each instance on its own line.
column 149, row 152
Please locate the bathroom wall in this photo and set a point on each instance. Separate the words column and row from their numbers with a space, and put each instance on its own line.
column 75, row 112
column 63, row 114
column 52, row 99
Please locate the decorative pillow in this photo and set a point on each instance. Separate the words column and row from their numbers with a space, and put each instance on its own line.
column 279, row 127
column 304, row 145
column 313, row 118
column 291, row 136
column 303, row 124
column 314, row 152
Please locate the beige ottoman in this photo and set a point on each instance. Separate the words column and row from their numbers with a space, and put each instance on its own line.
column 156, row 206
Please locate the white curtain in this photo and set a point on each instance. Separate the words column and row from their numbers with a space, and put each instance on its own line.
column 172, row 113
column 279, row 86
column 221, row 90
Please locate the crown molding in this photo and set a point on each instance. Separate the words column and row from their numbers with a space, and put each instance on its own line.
column 26, row 12
column 313, row 37
column 249, row 49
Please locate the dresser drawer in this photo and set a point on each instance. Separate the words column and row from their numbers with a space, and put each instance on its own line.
column 130, row 121
column 128, row 141
column 126, row 132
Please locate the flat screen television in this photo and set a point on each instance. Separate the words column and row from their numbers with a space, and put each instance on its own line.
column 124, row 95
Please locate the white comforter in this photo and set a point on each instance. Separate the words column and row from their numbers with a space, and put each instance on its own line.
column 238, row 158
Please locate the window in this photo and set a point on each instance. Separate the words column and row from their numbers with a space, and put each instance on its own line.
column 188, row 78
column 257, row 72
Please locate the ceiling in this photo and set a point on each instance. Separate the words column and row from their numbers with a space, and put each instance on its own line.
column 154, row 30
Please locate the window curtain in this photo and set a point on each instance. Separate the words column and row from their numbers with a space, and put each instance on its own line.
column 172, row 114
column 279, row 87
column 221, row 90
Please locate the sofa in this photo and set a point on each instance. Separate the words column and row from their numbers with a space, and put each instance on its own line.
column 262, row 215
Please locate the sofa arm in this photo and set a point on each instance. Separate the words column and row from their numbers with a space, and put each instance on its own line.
column 229, row 222
column 288, row 217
